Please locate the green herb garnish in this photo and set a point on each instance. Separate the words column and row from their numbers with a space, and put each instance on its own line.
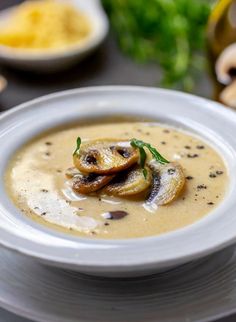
column 168, row 32
column 78, row 143
column 141, row 145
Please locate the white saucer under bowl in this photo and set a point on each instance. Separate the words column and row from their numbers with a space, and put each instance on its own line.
column 130, row 257
column 197, row 292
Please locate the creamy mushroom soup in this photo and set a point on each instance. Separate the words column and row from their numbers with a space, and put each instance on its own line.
column 102, row 206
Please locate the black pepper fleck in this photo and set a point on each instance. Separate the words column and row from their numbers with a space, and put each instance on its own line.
column 163, row 142
column 48, row 143
column 219, row 172
column 212, row 175
column 210, row 203
column 200, row 147
column 192, row 156
column 189, row 178
column 187, row 147
column 201, row 186
column 44, row 190
column 47, row 154
column 43, row 213
column 106, row 224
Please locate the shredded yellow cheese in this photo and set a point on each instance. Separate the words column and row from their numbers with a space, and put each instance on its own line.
column 44, row 25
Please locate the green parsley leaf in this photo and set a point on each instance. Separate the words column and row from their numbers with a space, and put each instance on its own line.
column 78, row 143
column 141, row 145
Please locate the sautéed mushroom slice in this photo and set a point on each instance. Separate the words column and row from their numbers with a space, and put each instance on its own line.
column 87, row 183
column 121, row 169
column 168, row 182
column 129, row 182
column 105, row 156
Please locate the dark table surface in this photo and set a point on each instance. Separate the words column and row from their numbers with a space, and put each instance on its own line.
column 107, row 66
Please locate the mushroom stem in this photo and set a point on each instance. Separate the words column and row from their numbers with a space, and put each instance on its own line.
column 155, row 188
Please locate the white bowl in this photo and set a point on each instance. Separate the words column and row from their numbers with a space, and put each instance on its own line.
column 58, row 60
column 132, row 257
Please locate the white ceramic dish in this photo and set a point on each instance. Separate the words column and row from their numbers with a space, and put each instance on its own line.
column 55, row 61
column 202, row 291
column 210, row 120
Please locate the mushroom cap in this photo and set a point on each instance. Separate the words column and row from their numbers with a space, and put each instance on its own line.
column 105, row 156
column 225, row 62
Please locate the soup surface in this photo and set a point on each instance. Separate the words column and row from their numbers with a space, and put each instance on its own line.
column 36, row 182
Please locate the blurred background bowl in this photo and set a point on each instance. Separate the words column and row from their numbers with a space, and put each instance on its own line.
column 58, row 60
